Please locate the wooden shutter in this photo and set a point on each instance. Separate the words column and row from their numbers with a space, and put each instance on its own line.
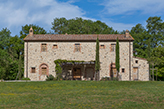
column 44, row 47
column 113, row 47
column 33, row 70
column 77, row 47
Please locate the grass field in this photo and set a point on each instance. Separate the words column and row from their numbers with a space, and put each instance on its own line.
column 82, row 94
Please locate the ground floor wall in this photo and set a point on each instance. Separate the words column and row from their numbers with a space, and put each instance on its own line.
column 139, row 71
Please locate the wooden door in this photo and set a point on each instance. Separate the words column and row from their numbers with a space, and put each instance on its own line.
column 114, row 72
column 135, row 73
column 76, row 73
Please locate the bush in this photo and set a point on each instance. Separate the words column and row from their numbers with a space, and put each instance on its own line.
column 105, row 79
column 25, row 78
column 50, row 78
column 115, row 79
column 109, row 79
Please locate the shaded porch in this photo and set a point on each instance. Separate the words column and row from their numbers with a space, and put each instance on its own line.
column 78, row 71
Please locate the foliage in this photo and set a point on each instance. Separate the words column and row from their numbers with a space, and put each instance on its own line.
column 106, row 79
column 36, row 29
column 80, row 26
column 50, row 78
column 97, row 60
column 117, row 56
column 149, row 43
column 25, row 78
column 140, row 36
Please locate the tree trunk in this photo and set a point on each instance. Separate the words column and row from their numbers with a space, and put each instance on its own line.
column 156, row 75
column 153, row 71
column 117, row 75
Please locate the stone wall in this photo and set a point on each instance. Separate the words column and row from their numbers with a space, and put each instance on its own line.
column 143, row 68
column 66, row 50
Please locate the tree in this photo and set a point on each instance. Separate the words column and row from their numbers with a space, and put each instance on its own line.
column 4, row 57
column 117, row 57
column 157, row 61
column 149, row 43
column 4, row 38
column 140, row 37
column 97, row 61
column 16, row 52
column 36, row 29
column 155, row 29
column 80, row 26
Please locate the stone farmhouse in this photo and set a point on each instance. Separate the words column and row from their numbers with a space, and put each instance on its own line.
column 41, row 50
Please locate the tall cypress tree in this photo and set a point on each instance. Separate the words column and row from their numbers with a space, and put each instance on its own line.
column 117, row 56
column 97, row 63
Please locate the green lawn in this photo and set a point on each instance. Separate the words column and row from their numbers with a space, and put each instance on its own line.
column 82, row 94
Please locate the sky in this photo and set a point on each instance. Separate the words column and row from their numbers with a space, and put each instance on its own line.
column 118, row 14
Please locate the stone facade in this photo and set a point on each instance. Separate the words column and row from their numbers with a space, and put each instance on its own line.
column 35, row 58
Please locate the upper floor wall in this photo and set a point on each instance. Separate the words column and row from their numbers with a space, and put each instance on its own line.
column 85, row 51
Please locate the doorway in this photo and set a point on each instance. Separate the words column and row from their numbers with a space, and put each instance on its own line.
column 135, row 73
column 76, row 73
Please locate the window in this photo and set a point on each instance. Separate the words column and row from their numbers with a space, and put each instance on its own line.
column 113, row 47
column 77, row 47
column 44, row 70
column 123, row 70
column 33, row 70
column 102, row 46
column 136, row 61
column 44, row 47
column 55, row 46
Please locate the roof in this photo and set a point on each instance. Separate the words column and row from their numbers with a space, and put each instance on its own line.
column 139, row 58
column 77, row 37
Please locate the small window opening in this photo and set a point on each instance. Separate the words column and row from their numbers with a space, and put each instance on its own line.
column 77, row 47
column 136, row 61
column 44, row 47
column 102, row 46
column 33, row 70
column 123, row 70
column 30, row 30
column 55, row 46
column 113, row 47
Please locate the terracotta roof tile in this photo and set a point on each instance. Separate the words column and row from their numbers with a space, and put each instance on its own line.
column 76, row 37
column 139, row 58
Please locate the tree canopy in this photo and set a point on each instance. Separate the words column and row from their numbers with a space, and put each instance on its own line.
column 149, row 42
column 36, row 29
column 80, row 26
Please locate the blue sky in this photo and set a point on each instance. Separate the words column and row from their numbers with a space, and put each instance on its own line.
column 119, row 14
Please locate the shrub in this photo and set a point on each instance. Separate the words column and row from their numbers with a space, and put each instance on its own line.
column 25, row 78
column 115, row 79
column 109, row 79
column 105, row 79
column 50, row 78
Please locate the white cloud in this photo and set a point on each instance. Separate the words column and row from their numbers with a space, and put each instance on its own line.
column 17, row 13
column 119, row 26
column 40, row 12
column 119, row 7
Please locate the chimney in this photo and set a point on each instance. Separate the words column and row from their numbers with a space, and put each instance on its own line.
column 127, row 33
column 31, row 32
